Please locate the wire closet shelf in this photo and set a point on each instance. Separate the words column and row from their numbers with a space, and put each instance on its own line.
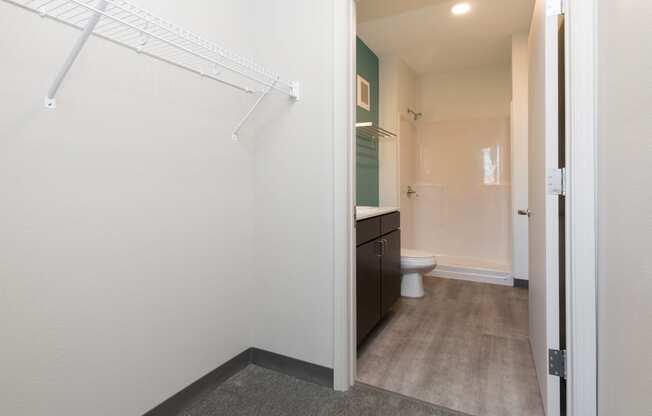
column 142, row 31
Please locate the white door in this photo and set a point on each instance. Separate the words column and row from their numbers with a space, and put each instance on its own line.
column 544, row 220
column 519, row 157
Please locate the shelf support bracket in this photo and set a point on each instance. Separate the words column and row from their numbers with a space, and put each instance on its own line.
column 236, row 131
column 50, row 100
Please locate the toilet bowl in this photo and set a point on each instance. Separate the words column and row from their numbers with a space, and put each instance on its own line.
column 414, row 264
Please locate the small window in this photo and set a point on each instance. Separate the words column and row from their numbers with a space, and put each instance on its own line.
column 364, row 94
column 491, row 164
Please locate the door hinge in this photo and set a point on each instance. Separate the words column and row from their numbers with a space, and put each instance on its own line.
column 555, row 7
column 557, row 181
column 557, row 363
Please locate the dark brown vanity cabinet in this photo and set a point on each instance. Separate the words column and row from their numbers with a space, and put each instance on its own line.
column 378, row 271
column 368, row 287
column 390, row 271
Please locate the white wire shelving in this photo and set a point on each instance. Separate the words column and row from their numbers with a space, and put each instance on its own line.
column 124, row 23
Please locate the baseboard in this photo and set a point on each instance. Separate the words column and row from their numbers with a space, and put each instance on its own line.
column 180, row 401
column 302, row 370
column 478, row 275
column 521, row 283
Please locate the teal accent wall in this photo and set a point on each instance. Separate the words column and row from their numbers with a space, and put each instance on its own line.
column 367, row 149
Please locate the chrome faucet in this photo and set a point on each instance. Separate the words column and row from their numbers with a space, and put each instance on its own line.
column 411, row 191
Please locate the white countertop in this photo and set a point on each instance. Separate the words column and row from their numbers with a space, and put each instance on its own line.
column 363, row 213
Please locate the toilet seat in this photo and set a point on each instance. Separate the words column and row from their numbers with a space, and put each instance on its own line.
column 415, row 254
column 417, row 259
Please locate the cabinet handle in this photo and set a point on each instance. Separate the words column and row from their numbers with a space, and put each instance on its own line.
column 384, row 240
column 380, row 248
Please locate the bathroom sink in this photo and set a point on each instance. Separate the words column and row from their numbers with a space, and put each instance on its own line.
column 363, row 212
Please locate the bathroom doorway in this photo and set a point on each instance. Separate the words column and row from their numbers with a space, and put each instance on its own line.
column 420, row 331
column 460, row 340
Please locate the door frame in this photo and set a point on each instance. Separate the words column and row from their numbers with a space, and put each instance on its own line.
column 581, row 206
column 581, row 255
column 344, row 188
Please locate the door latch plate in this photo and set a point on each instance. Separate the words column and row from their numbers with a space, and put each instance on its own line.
column 556, row 181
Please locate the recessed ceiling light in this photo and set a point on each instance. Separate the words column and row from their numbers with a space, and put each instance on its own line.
column 461, row 8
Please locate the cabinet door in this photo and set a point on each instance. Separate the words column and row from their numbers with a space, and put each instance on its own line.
column 391, row 271
column 367, row 288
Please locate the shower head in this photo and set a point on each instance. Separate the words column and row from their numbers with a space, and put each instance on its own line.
column 414, row 114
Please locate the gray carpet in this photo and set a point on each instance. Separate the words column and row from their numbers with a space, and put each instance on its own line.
column 258, row 391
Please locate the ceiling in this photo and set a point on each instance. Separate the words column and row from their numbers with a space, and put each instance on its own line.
column 430, row 39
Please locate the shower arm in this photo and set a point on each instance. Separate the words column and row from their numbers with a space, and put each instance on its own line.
column 414, row 114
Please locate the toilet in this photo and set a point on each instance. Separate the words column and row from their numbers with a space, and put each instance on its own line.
column 414, row 264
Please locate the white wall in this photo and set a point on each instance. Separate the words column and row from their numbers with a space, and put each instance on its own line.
column 398, row 92
column 294, row 182
column 519, row 157
column 457, row 215
column 127, row 219
column 467, row 94
column 625, row 223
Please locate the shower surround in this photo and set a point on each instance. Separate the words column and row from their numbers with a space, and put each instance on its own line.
column 457, row 158
column 463, row 182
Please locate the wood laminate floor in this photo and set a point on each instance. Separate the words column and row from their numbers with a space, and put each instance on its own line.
column 463, row 346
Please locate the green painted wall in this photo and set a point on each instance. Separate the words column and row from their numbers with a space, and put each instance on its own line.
column 367, row 149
